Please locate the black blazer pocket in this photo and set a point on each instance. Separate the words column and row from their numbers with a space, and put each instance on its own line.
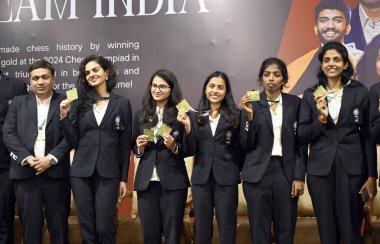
column 118, row 123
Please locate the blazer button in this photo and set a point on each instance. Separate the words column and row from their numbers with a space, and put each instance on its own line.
column 156, row 162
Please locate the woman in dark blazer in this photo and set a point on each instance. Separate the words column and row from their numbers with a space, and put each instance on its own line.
column 342, row 158
column 216, row 169
column 274, row 168
column 161, row 179
column 99, row 127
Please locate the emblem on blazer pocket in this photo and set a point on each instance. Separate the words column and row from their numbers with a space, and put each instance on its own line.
column 175, row 134
column 118, row 124
column 228, row 137
column 356, row 115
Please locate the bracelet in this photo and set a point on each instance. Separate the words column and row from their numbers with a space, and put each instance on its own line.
column 323, row 121
column 175, row 151
column 139, row 154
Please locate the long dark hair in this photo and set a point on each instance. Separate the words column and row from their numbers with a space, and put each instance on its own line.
column 366, row 68
column 341, row 49
column 148, row 114
column 88, row 94
column 227, row 109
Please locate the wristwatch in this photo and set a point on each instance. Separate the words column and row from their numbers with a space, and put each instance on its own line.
column 51, row 160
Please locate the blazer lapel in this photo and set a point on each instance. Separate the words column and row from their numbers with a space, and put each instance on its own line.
column 32, row 107
column 110, row 107
column 220, row 125
column 91, row 116
column 208, row 126
column 345, row 105
column 52, row 107
column 4, row 84
column 287, row 110
column 264, row 103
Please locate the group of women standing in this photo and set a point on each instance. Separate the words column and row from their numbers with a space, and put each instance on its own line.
column 264, row 144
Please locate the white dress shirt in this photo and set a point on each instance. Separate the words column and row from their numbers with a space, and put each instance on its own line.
column 99, row 112
column 214, row 123
column 42, row 113
column 277, row 125
column 40, row 143
column 334, row 104
column 371, row 28
column 160, row 115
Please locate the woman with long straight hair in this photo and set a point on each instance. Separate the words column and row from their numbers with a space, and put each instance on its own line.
column 162, row 137
column 216, row 169
column 99, row 127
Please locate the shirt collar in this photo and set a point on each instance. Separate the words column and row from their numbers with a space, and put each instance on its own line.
column 47, row 101
column 277, row 100
column 214, row 119
column 365, row 19
column 340, row 93
column 159, row 111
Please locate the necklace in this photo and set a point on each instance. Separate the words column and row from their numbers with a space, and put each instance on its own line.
column 273, row 107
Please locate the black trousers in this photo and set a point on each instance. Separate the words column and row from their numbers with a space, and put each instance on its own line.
column 337, row 205
column 161, row 213
column 7, row 207
column 39, row 197
column 95, row 200
column 225, row 200
column 269, row 200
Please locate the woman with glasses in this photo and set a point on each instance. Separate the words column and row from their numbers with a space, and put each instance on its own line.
column 163, row 138
column 99, row 128
column 274, row 169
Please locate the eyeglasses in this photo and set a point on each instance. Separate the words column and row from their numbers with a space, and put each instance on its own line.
column 161, row 88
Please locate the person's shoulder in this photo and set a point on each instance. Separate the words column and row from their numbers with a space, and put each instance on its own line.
column 311, row 90
column 59, row 95
column 290, row 97
column 357, row 85
column 21, row 99
column 121, row 98
column 359, row 88
column 13, row 80
column 15, row 83
column 375, row 87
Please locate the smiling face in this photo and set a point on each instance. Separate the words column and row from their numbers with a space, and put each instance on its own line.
column 42, row 82
column 331, row 26
column 160, row 90
column 333, row 64
column 95, row 75
column 216, row 91
column 272, row 79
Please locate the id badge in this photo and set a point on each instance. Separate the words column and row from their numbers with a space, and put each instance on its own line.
column 41, row 135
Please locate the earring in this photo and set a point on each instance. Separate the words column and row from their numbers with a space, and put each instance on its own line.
column 106, row 77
